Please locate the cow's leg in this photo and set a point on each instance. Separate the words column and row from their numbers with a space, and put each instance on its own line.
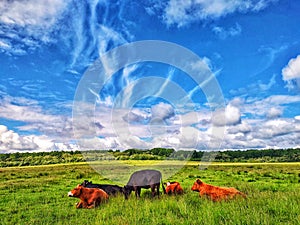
column 85, row 205
column 139, row 191
column 158, row 188
column 152, row 190
column 91, row 206
column 79, row 205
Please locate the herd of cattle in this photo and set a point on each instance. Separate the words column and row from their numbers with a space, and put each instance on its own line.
column 91, row 195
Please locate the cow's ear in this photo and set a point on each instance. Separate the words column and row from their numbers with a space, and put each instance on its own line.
column 199, row 181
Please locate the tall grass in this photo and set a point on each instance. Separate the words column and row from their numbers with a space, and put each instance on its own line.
column 38, row 195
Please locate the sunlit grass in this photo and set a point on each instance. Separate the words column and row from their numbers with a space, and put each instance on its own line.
column 38, row 195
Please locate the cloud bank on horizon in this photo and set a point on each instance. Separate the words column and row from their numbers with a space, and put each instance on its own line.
column 251, row 47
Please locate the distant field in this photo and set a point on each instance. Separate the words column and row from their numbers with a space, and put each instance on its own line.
column 38, row 194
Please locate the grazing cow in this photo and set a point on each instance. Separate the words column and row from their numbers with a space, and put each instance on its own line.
column 143, row 179
column 215, row 193
column 108, row 188
column 89, row 197
column 174, row 188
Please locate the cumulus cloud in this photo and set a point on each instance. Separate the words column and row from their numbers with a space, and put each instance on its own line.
column 184, row 12
column 291, row 73
column 261, row 133
column 35, row 119
column 273, row 128
column 231, row 116
column 274, row 112
column 243, row 128
column 268, row 107
column 136, row 116
column 11, row 141
column 161, row 112
column 262, row 124
column 121, row 128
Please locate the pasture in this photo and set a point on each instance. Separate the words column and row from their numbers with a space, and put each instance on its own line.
column 38, row 194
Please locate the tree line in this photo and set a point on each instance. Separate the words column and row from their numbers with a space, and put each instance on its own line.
column 58, row 157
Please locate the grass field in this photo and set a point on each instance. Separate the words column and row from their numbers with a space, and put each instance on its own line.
column 38, row 195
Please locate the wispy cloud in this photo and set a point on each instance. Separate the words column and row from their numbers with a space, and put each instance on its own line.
column 257, row 87
column 182, row 13
column 83, row 29
column 29, row 23
column 224, row 33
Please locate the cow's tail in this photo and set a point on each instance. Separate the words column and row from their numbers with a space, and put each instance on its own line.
column 163, row 187
column 242, row 194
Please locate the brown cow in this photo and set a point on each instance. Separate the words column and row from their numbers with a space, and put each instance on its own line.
column 174, row 188
column 89, row 197
column 215, row 193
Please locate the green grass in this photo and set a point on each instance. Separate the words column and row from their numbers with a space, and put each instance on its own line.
column 38, row 195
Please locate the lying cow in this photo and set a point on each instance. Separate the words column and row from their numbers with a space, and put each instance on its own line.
column 89, row 197
column 144, row 179
column 174, row 188
column 215, row 193
column 108, row 188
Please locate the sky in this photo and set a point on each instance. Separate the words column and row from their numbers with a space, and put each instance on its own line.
column 209, row 74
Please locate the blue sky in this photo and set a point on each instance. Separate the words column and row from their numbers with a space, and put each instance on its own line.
column 251, row 49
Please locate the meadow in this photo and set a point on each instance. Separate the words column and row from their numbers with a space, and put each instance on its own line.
column 38, row 194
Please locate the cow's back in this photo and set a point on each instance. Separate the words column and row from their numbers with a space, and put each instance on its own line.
column 144, row 178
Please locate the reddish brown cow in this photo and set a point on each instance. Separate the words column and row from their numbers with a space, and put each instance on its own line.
column 215, row 193
column 174, row 188
column 89, row 197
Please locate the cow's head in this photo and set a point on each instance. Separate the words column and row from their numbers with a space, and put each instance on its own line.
column 76, row 191
column 197, row 185
column 127, row 191
column 86, row 183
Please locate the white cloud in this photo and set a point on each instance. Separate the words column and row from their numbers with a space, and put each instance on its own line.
column 29, row 22
column 231, row 116
column 271, row 133
column 11, row 141
column 184, row 12
column 274, row 112
column 4, row 44
column 263, row 107
column 254, row 88
column 136, row 116
column 243, row 128
column 291, row 72
column 161, row 112
column 273, row 128
column 184, row 130
column 224, row 33
column 35, row 119
column 41, row 13
column 27, row 25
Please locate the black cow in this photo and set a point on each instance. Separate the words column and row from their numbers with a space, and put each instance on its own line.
column 108, row 188
column 143, row 179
